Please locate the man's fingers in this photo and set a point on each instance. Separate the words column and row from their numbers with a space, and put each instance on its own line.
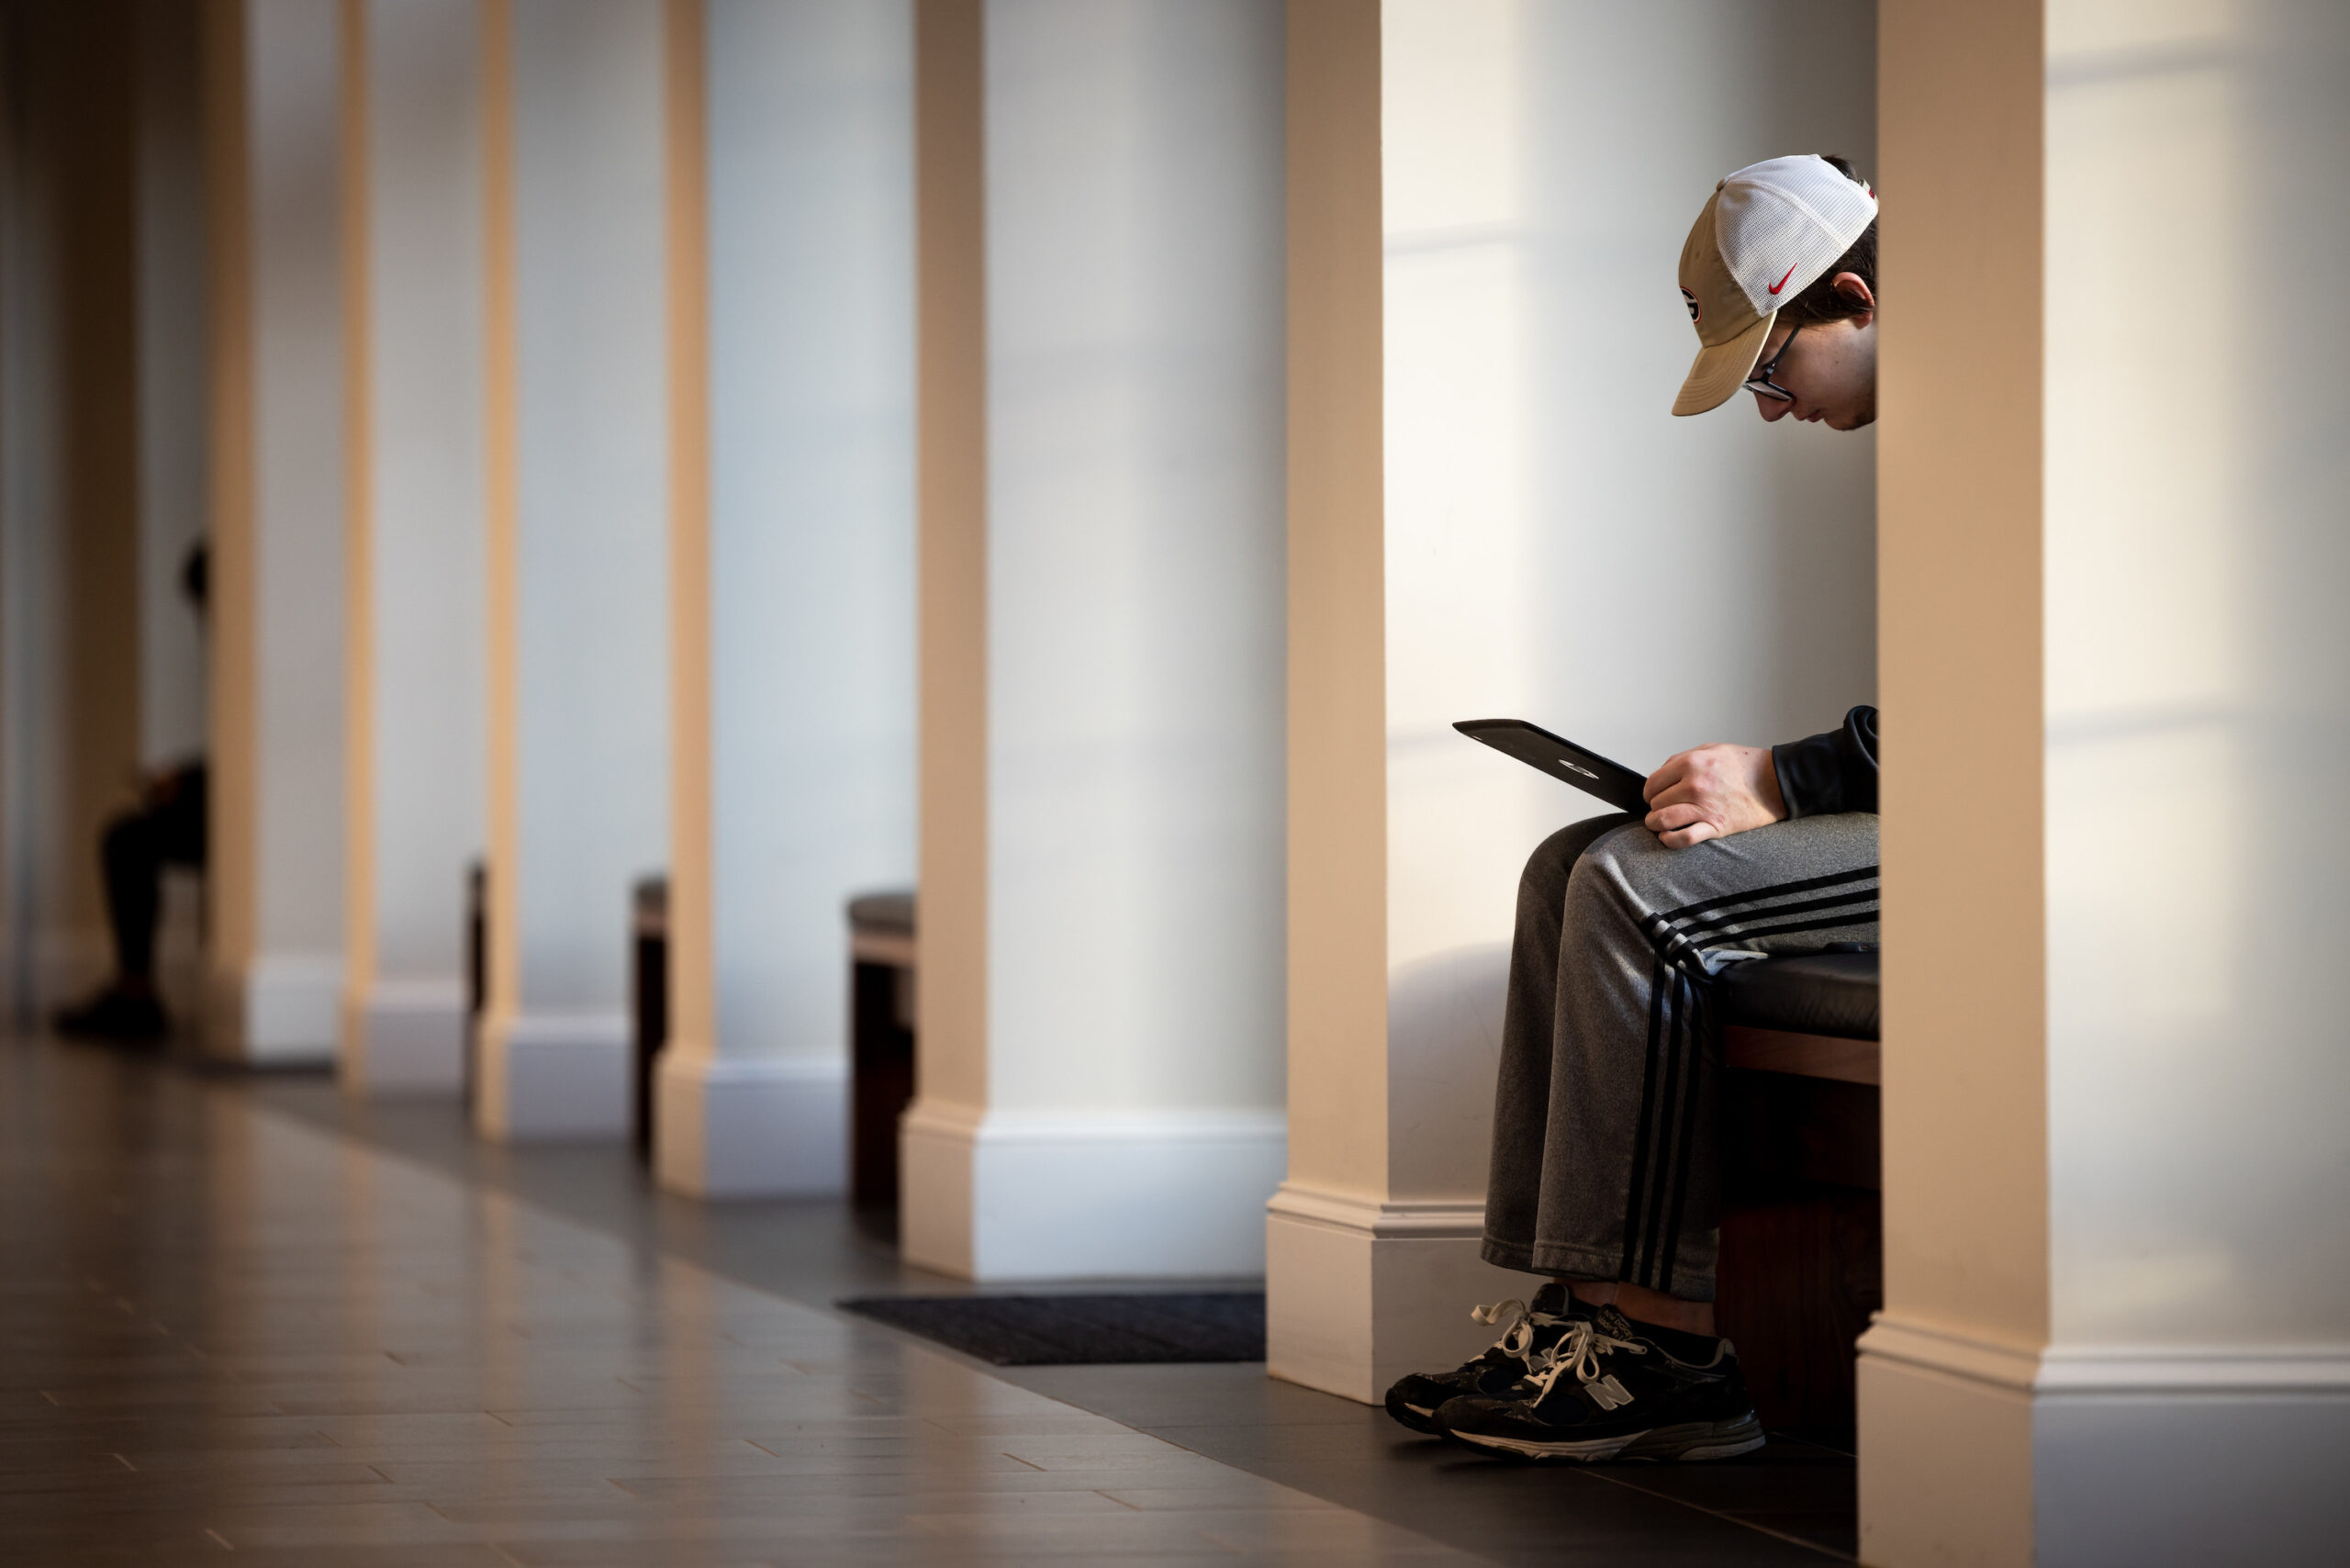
column 1665, row 776
column 1696, row 833
column 1682, row 792
column 1677, row 815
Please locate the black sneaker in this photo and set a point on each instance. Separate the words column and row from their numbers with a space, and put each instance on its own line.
column 1613, row 1389
column 1526, row 1331
column 114, row 1013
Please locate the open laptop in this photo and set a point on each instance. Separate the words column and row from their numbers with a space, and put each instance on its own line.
column 1561, row 760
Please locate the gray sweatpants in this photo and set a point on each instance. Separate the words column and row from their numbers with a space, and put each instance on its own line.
column 1605, row 1159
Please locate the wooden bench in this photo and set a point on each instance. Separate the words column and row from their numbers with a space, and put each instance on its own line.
column 881, row 954
column 1802, row 1241
column 881, row 1040
column 648, row 998
column 476, row 972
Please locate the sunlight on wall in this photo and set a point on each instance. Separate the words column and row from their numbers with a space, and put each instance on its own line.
column 1134, row 554
column 2195, row 694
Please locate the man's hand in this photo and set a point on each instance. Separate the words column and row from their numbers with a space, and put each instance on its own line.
column 1712, row 792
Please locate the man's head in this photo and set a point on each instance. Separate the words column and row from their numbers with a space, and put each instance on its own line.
column 1779, row 276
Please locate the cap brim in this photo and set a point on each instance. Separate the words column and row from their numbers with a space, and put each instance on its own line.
column 1722, row 369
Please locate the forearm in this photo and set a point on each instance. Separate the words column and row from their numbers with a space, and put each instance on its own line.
column 1832, row 772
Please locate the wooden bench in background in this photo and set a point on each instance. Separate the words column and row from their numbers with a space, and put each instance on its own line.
column 648, row 999
column 881, row 1040
column 881, row 1023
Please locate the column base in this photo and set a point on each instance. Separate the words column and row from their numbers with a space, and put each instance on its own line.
column 750, row 1127
column 1945, row 1423
column 1075, row 1194
column 2098, row 1454
column 554, row 1075
column 405, row 1037
column 279, row 1009
column 1357, row 1293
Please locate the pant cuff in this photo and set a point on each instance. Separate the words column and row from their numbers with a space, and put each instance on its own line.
column 1510, row 1255
column 1566, row 1260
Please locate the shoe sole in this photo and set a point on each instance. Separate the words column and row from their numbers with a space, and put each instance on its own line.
column 1414, row 1417
column 1689, row 1443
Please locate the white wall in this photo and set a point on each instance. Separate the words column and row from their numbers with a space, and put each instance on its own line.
column 594, row 478
column 1133, row 553
column 584, row 781
column 426, row 351
column 793, row 762
column 1559, row 547
column 2198, row 681
column 283, row 994
column 419, row 693
column 811, row 459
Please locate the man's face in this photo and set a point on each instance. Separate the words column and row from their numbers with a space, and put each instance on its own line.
column 1831, row 369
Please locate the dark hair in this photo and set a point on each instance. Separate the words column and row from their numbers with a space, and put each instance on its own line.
column 195, row 575
column 1821, row 302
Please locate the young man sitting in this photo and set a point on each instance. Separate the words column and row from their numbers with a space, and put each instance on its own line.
column 1604, row 1173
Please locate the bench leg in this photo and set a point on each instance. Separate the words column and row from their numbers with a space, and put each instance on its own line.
column 1802, row 1267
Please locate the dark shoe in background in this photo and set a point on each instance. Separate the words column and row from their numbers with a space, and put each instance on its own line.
column 127, row 1017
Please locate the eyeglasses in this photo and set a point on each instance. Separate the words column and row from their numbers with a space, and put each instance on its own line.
column 1761, row 384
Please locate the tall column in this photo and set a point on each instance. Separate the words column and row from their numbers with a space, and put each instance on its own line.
column 2117, row 1216
column 1493, row 513
column 276, row 872
column 1100, row 297
column 578, row 474
column 412, row 275
column 72, row 509
column 792, row 392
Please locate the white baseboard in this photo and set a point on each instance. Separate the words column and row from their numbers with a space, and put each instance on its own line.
column 1080, row 1194
column 280, row 1010
column 1945, row 1422
column 750, row 1127
column 2078, row 1456
column 554, row 1076
column 2210, row 1456
column 405, row 1037
column 1358, row 1293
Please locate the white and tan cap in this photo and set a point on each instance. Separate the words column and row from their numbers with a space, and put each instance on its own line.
column 1768, row 233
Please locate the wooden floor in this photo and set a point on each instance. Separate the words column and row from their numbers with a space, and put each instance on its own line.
column 230, row 1331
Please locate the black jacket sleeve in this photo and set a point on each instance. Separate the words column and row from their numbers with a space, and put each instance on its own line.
column 1834, row 772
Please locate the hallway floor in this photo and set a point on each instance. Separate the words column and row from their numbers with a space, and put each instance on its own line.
column 243, row 1315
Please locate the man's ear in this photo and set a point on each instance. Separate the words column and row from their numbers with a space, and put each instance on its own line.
column 1855, row 289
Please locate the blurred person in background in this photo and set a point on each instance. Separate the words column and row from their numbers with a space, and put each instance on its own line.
column 165, row 827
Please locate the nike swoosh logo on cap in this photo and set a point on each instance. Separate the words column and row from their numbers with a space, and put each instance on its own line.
column 1782, row 281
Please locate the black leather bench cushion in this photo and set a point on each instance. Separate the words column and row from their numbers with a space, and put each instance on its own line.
column 891, row 913
column 1813, row 993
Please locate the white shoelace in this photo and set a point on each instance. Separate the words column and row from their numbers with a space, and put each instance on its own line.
column 1580, row 1351
column 1519, row 1323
